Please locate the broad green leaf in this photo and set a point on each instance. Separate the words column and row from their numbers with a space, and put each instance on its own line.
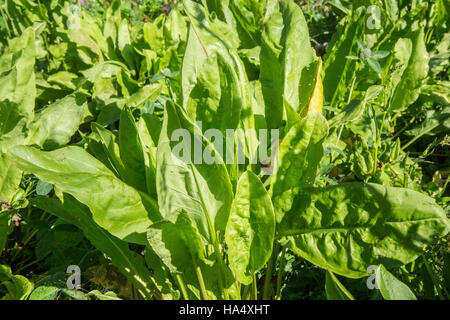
column 209, row 37
column 211, row 274
column 154, row 125
column 176, row 26
column 131, row 151
column 19, row 287
column 339, row 70
column 115, row 206
column 43, row 188
column 390, row 287
column 250, row 230
column 17, row 90
column 128, row 85
column 6, row 227
column 45, row 293
column 437, row 91
column 64, row 79
column 185, row 181
column 348, row 227
column 215, row 99
column 154, row 36
column 55, row 124
column 125, row 46
column 178, row 244
column 374, row 64
column 408, row 88
column 128, row 262
column 110, row 149
column 353, row 111
column 334, row 288
column 249, row 16
column 104, row 296
column 87, row 50
column 146, row 94
column 221, row 8
column 10, row 177
column 113, row 18
column 299, row 156
column 315, row 102
column 91, row 27
column 392, row 9
column 435, row 123
column 161, row 274
column 285, row 54
column 206, row 37
column 105, row 69
column 149, row 148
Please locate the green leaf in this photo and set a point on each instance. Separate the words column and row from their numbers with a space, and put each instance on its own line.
column 335, row 289
column 110, row 149
column 45, row 293
column 209, row 37
column 351, row 226
column 374, row 64
column 251, row 227
column 115, row 206
column 161, row 273
column 353, row 111
column 392, row 9
column 390, row 287
column 338, row 69
column 191, row 184
column 407, row 90
column 285, row 53
column 178, row 244
column 249, row 15
column 299, row 155
column 17, row 89
column 131, row 152
column 10, row 177
column 435, row 123
column 45, row 244
column 19, row 287
column 125, row 46
column 206, row 37
column 148, row 129
column 378, row 55
column 215, row 98
column 55, row 124
column 104, row 296
column 127, row 261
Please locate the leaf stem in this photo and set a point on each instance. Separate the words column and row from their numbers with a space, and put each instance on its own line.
column 269, row 271
column 280, row 274
column 182, row 287
column 378, row 142
column 198, row 271
column 214, row 239
column 246, row 293
column 255, row 288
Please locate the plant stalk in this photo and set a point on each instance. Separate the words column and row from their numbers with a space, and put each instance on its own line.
column 268, row 277
column 201, row 282
column 182, row 287
column 280, row 274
